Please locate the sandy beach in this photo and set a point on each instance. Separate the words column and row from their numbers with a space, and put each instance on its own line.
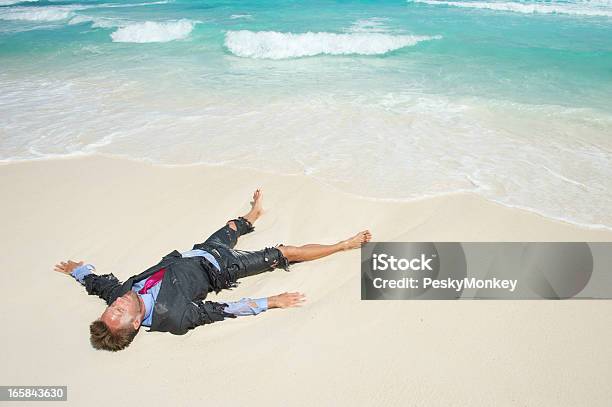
column 123, row 216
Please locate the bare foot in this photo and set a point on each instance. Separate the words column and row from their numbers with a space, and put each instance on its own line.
column 256, row 207
column 357, row 241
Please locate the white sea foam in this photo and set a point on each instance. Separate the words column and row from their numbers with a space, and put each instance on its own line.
column 57, row 13
column 112, row 5
column 80, row 19
column 393, row 146
column 105, row 5
column 96, row 22
column 597, row 8
column 370, row 25
column 9, row 2
column 52, row 13
column 108, row 22
column 245, row 16
column 152, row 31
column 278, row 45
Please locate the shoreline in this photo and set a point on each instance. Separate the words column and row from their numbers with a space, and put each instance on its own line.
column 267, row 173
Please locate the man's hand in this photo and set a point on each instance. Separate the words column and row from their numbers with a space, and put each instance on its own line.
column 286, row 300
column 67, row 267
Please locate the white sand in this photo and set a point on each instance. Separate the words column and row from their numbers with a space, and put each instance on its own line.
column 123, row 216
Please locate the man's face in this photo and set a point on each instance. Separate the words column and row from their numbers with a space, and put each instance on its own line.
column 124, row 311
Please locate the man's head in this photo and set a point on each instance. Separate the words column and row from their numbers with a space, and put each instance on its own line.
column 118, row 324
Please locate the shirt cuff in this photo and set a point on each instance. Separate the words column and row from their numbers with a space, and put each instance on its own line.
column 244, row 307
column 262, row 304
column 80, row 272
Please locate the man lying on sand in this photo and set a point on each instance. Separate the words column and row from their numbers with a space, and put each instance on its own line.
column 169, row 296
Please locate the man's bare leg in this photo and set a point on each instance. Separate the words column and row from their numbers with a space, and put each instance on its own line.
column 316, row 251
column 256, row 209
column 309, row 251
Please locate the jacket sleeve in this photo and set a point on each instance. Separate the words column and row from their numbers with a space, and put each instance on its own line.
column 105, row 286
column 201, row 313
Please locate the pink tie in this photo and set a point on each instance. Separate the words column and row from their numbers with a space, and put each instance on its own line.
column 151, row 281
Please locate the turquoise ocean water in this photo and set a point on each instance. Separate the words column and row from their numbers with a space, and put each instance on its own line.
column 384, row 99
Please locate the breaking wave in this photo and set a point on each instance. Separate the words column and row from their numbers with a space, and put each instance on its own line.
column 54, row 13
column 579, row 8
column 151, row 31
column 278, row 45
column 9, row 2
column 96, row 22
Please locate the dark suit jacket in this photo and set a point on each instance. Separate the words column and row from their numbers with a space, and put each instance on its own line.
column 179, row 306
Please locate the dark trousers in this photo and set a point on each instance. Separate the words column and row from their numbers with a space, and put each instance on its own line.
column 241, row 263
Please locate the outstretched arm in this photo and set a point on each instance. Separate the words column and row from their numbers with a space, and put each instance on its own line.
column 76, row 270
column 201, row 313
column 105, row 286
column 248, row 306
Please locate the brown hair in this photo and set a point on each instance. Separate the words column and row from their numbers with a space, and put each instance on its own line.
column 103, row 338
